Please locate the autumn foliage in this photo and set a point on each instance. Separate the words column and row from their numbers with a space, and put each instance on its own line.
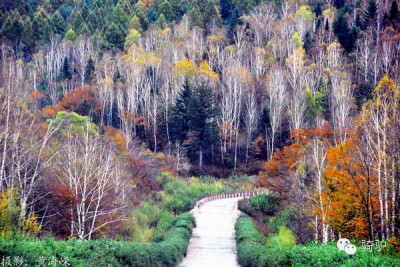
column 81, row 100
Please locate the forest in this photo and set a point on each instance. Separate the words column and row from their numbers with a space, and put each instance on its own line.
column 117, row 115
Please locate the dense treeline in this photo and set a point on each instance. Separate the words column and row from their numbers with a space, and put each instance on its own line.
column 116, row 93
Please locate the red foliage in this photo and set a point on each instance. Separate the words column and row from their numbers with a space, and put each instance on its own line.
column 276, row 174
column 74, row 101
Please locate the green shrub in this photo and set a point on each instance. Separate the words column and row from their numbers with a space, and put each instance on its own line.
column 284, row 237
column 281, row 219
column 252, row 252
column 104, row 252
column 262, row 203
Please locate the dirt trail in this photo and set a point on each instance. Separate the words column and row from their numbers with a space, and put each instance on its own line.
column 213, row 240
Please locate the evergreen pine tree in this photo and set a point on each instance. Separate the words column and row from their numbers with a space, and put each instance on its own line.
column 180, row 120
column 326, row 25
column 84, row 30
column 394, row 11
column 27, row 37
column 93, row 21
column 226, row 9
column 85, row 11
column 345, row 35
column 318, row 10
column 203, row 126
column 358, row 22
column 370, row 13
column 119, row 18
column 58, row 23
column 66, row 70
column 117, row 76
column 166, row 9
column 89, row 70
column 72, row 17
column 196, row 17
column 47, row 30
column 13, row 27
column 115, row 36
column 233, row 22
column 161, row 22
column 144, row 21
column 77, row 22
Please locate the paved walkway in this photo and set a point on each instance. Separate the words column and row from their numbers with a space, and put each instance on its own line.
column 213, row 240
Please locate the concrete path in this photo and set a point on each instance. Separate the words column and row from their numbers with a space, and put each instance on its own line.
column 213, row 240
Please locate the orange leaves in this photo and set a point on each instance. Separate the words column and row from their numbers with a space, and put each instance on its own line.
column 36, row 95
column 257, row 147
column 351, row 190
column 74, row 98
column 276, row 174
column 79, row 100
column 50, row 111
column 128, row 116
column 115, row 135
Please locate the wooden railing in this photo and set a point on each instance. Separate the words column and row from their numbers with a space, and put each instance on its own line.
column 242, row 194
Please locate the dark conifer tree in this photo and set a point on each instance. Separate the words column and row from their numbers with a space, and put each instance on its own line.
column 394, row 11
column 115, row 36
column 318, row 10
column 166, row 9
column 66, row 69
column 58, row 23
column 180, row 119
column 89, row 70
column 345, row 35
column 204, row 131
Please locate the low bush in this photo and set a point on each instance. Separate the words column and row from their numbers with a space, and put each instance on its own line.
column 180, row 196
column 104, row 252
column 253, row 252
column 283, row 218
column 263, row 203
column 284, row 237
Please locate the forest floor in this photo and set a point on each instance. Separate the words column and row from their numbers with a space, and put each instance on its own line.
column 213, row 240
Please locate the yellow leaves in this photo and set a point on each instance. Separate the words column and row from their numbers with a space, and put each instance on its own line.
column 148, row 59
column 9, row 214
column 166, row 32
column 218, row 39
column 31, row 226
column 133, row 52
column 297, row 40
column 132, row 38
column 329, row 14
column 305, row 13
column 205, row 70
column 385, row 86
column 334, row 45
column 184, row 68
column 19, row 62
column 108, row 80
column 297, row 58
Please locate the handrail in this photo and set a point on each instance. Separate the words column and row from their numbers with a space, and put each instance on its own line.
column 242, row 194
